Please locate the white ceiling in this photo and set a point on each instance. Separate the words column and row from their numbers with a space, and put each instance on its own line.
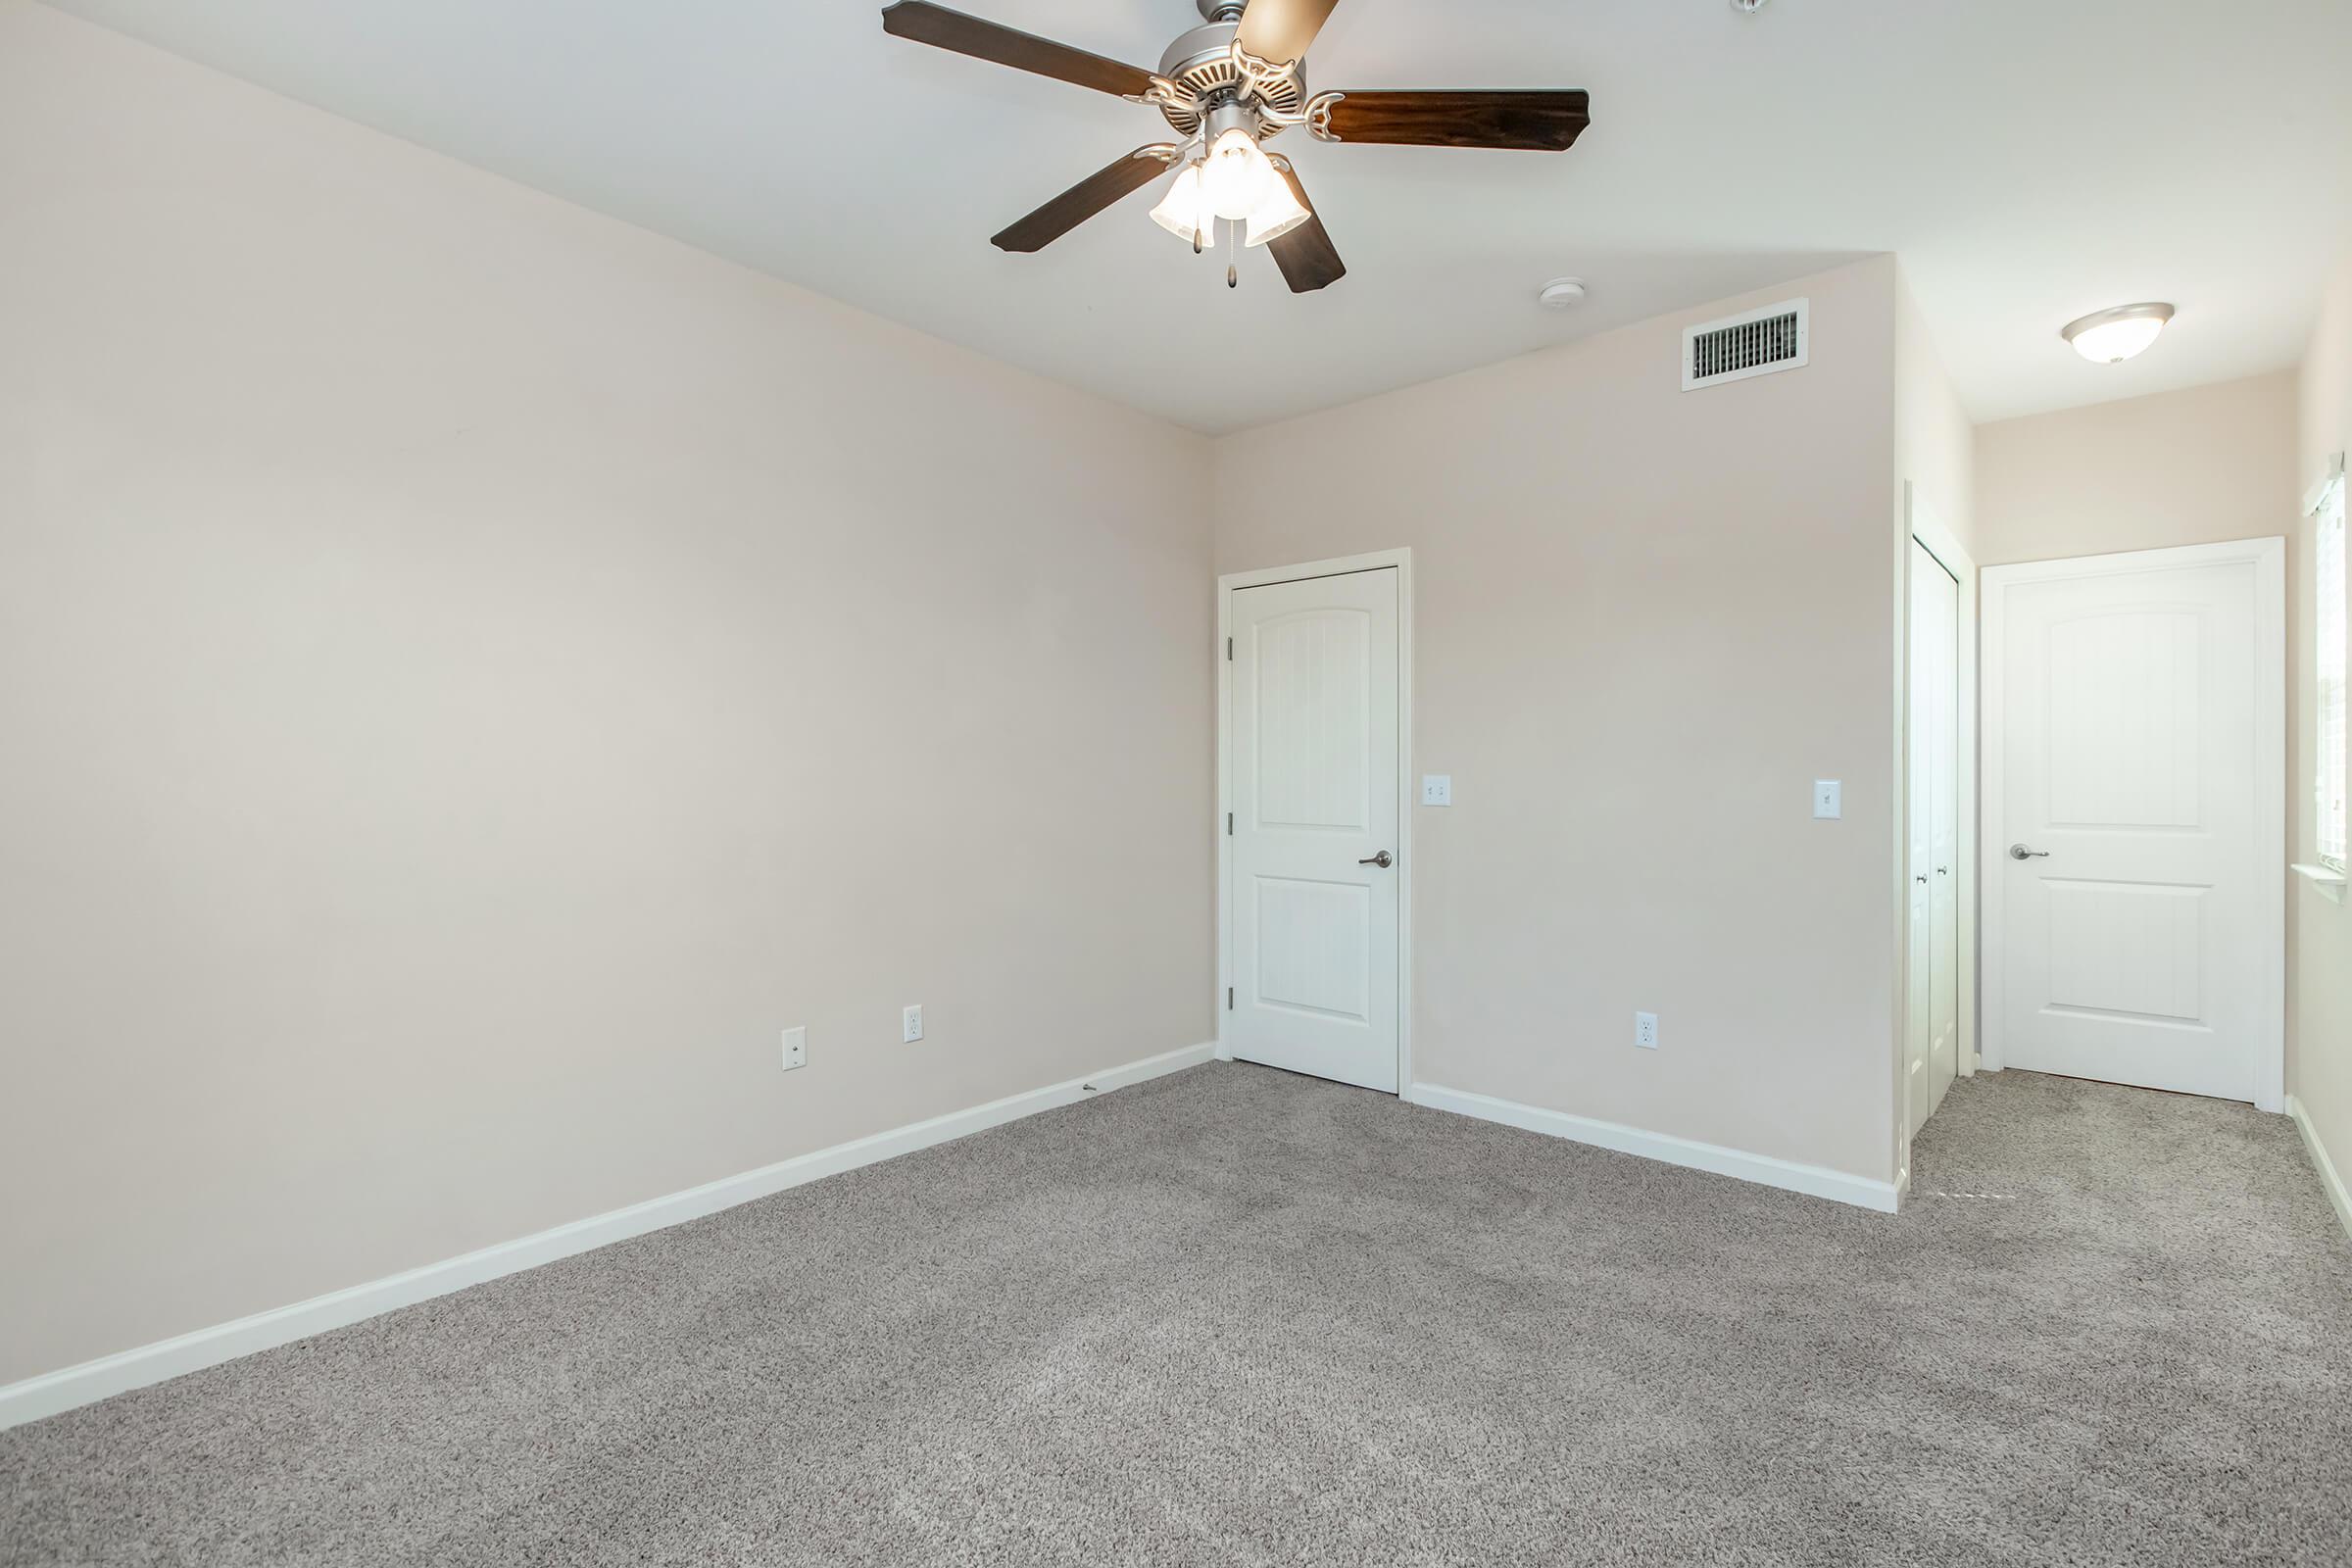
column 2030, row 160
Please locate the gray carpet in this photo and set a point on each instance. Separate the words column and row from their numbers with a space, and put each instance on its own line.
column 1239, row 1317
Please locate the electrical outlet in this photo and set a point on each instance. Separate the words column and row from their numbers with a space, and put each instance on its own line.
column 796, row 1048
column 910, row 1024
column 1645, row 1030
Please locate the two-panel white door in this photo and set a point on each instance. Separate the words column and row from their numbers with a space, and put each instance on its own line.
column 1933, row 1058
column 1315, row 727
column 2138, row 778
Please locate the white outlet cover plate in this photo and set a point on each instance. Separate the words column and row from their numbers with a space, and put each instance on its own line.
column 1645, row 1030
column 796, row 1048
column 910, row 1024
column 1828, row 799
column 1437, row 789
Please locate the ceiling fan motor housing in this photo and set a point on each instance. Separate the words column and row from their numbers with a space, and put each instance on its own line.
column 1200, row 61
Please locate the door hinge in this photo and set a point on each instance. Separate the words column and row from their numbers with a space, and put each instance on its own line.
column 1229, row 998
column 1229, row 824
column 1229, row 650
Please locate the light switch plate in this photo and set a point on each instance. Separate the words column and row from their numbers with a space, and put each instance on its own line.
column 1437, row 789
column 1829, row 799
column 795, row 1047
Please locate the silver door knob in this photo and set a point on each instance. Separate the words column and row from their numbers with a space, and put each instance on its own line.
column 1384, row 859
column 2018, row 852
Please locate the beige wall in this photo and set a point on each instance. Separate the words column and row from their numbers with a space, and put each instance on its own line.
column 1935, row 441
column 470, row 671
column 2319, row 973
column 2188, row 467
column 1645, row 621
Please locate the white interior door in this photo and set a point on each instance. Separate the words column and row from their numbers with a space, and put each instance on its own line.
column 1315, row 727
column 2134, row 862
column 1934, row 1056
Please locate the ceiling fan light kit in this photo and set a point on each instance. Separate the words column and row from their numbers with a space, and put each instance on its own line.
column 1226, row 88
column 1184, row 212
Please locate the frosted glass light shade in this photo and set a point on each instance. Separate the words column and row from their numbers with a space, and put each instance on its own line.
column 2110, row 337
column 1277, row 215
column 1184, row 213
column 1235, row 178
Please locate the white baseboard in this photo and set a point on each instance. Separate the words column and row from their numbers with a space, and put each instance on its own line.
column 1815, row 1180
column 2330, row 1177
column 53, row 1392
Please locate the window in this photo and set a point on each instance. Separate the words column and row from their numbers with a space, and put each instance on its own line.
column 2330, row 636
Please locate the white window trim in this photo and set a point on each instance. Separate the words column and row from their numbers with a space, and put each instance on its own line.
column 2327, row 509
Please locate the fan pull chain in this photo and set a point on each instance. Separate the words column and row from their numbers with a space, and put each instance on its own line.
column 1233, row 243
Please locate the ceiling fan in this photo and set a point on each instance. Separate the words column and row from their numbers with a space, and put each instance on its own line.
column 1226, row 88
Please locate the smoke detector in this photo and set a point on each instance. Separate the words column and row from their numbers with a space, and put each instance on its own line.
column 1563, row 293
column 1747, row 6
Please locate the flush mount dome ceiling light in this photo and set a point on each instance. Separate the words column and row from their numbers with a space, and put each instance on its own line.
column 2110, row 337
column 1225, row 89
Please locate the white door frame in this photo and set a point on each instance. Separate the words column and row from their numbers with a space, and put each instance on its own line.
column 1921, row 522
column 1407, row 797
column 1924, row 526
column 2268, row 557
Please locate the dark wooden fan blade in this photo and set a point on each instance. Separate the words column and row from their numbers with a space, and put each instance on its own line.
column 985, row 41
column 1281, row 31
column 1546, row 122
column 1085, row 199
column 1307, row 258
